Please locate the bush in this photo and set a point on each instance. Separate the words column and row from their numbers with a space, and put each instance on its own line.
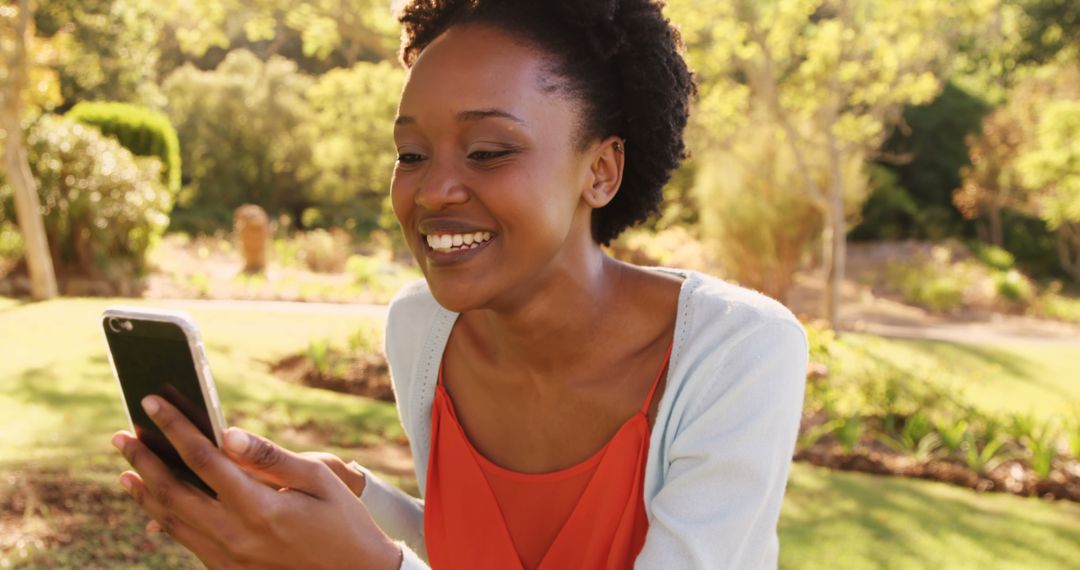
column 246, row 136
column 323, row 251
column 142, row 131
column 756, row 219
column 353, row 111
column 102, row 206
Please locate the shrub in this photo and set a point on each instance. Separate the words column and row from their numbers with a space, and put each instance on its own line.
column 993, row 256
column 323, row 251
column 245, row 134
column 916, row 438
column 756, row 219
column 986, row 458
column 102, row 206
column 353, row 154
column 1013, row 287
column 140, row 130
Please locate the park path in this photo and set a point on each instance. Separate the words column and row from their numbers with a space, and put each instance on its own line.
column 869, row 316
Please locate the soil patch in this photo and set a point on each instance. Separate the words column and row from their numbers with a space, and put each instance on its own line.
column 364, row 374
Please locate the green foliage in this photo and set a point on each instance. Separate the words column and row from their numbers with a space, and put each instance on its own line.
column 755, row 218
column 11, row 242
column 917, row 438
column 105, row 49
column 951, row 434
column 102, row 206
column 849, row 432
column 992, row 256
column 245, row 134
column 318, row 352
column 889, row 212
column 934, row 151
column 354, row 153
column 1014, row 287
column 984, row 459
column 142, row 131
column 1042, row 445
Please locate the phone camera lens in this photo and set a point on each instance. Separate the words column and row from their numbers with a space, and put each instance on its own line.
column 119, row 325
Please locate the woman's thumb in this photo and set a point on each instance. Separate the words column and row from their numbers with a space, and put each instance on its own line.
column 273, row 463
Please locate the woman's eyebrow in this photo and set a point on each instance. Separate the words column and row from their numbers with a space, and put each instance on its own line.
column 465, row 116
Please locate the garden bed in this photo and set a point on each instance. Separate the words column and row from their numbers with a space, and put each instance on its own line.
column 1008, row 473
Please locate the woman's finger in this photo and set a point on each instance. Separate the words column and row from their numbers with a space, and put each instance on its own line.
column 204, row 546
column 177, row 496
column 279, row 466
column 200, row 454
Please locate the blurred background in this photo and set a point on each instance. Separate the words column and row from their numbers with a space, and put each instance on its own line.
column 903, row 174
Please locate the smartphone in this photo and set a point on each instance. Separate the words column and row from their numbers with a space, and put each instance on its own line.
column 160, row 352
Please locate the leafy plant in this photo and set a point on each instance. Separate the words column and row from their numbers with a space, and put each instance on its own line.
column 1042, row 444
column 985, row 459
column 952, row 435
column 811, row 436
column 849, row 432
column 319, row 353
column 1022, row 426
column 916, row 438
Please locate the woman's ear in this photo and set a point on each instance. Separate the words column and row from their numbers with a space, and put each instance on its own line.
column 609, row 157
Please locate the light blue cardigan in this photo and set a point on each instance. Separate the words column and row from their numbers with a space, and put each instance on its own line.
column 719, row 451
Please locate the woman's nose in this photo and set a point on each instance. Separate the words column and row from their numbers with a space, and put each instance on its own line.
column 441, row 186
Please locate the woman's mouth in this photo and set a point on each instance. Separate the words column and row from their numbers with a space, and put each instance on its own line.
column 451, row 248
column 444, row 243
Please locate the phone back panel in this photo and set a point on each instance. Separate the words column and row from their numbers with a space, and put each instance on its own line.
column 155, row 358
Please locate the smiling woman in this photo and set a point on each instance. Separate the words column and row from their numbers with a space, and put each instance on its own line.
column 564, row 409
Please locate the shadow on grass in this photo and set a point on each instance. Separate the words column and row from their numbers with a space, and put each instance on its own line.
column 893, row 514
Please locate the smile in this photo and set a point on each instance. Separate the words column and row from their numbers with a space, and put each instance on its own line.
column 445, row 243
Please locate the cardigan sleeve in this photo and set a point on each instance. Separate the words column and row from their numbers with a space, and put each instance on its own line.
column 729, row 460
column 398, row 514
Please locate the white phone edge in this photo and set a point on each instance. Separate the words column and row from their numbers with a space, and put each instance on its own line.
column 195, row 346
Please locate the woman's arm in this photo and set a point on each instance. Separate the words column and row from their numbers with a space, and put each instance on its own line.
column 398, row 514
column 729, row 463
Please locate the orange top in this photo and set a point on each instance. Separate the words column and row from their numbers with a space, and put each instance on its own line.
column 479, row 515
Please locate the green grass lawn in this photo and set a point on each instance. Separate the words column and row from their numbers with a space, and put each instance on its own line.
column 1043, row 378
column 59, row 404
column 834, row 520
column 59, row 396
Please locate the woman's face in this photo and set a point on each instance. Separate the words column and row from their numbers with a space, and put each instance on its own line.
column 488, row 156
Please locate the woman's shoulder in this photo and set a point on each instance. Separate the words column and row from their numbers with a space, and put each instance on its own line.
column 723, row 326
column 412, row 300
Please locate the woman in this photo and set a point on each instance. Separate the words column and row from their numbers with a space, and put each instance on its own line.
column 564, row 409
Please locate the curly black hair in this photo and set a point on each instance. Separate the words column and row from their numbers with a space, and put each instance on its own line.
column 621, row 59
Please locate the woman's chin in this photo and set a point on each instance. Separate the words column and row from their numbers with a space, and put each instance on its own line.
column 456, row 297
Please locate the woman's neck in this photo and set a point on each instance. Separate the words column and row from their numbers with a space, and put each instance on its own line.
column 556, row 322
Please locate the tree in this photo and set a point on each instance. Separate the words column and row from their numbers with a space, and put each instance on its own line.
column 14, row 76
column 1052, row 169
column 833, row 76
column 107, row 49
column 345, row 30
column 245, row 137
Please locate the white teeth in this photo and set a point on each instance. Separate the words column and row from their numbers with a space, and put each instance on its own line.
column 456, row 242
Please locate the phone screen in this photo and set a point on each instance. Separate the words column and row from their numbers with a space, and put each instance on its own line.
column 154, row 358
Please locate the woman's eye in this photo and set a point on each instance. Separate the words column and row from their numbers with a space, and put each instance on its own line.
column 409, row 158
column 482, row 155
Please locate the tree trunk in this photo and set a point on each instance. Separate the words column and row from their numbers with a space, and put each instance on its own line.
column 27, row 205
column 838, row 234
column 1068, row 246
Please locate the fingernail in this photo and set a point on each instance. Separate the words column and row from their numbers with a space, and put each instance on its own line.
column 118, row 442
column 236, row 441
column 153, row 527
column 125, row 482
column 151, row 405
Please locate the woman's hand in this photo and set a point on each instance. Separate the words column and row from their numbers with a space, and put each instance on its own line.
column 313, row 521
